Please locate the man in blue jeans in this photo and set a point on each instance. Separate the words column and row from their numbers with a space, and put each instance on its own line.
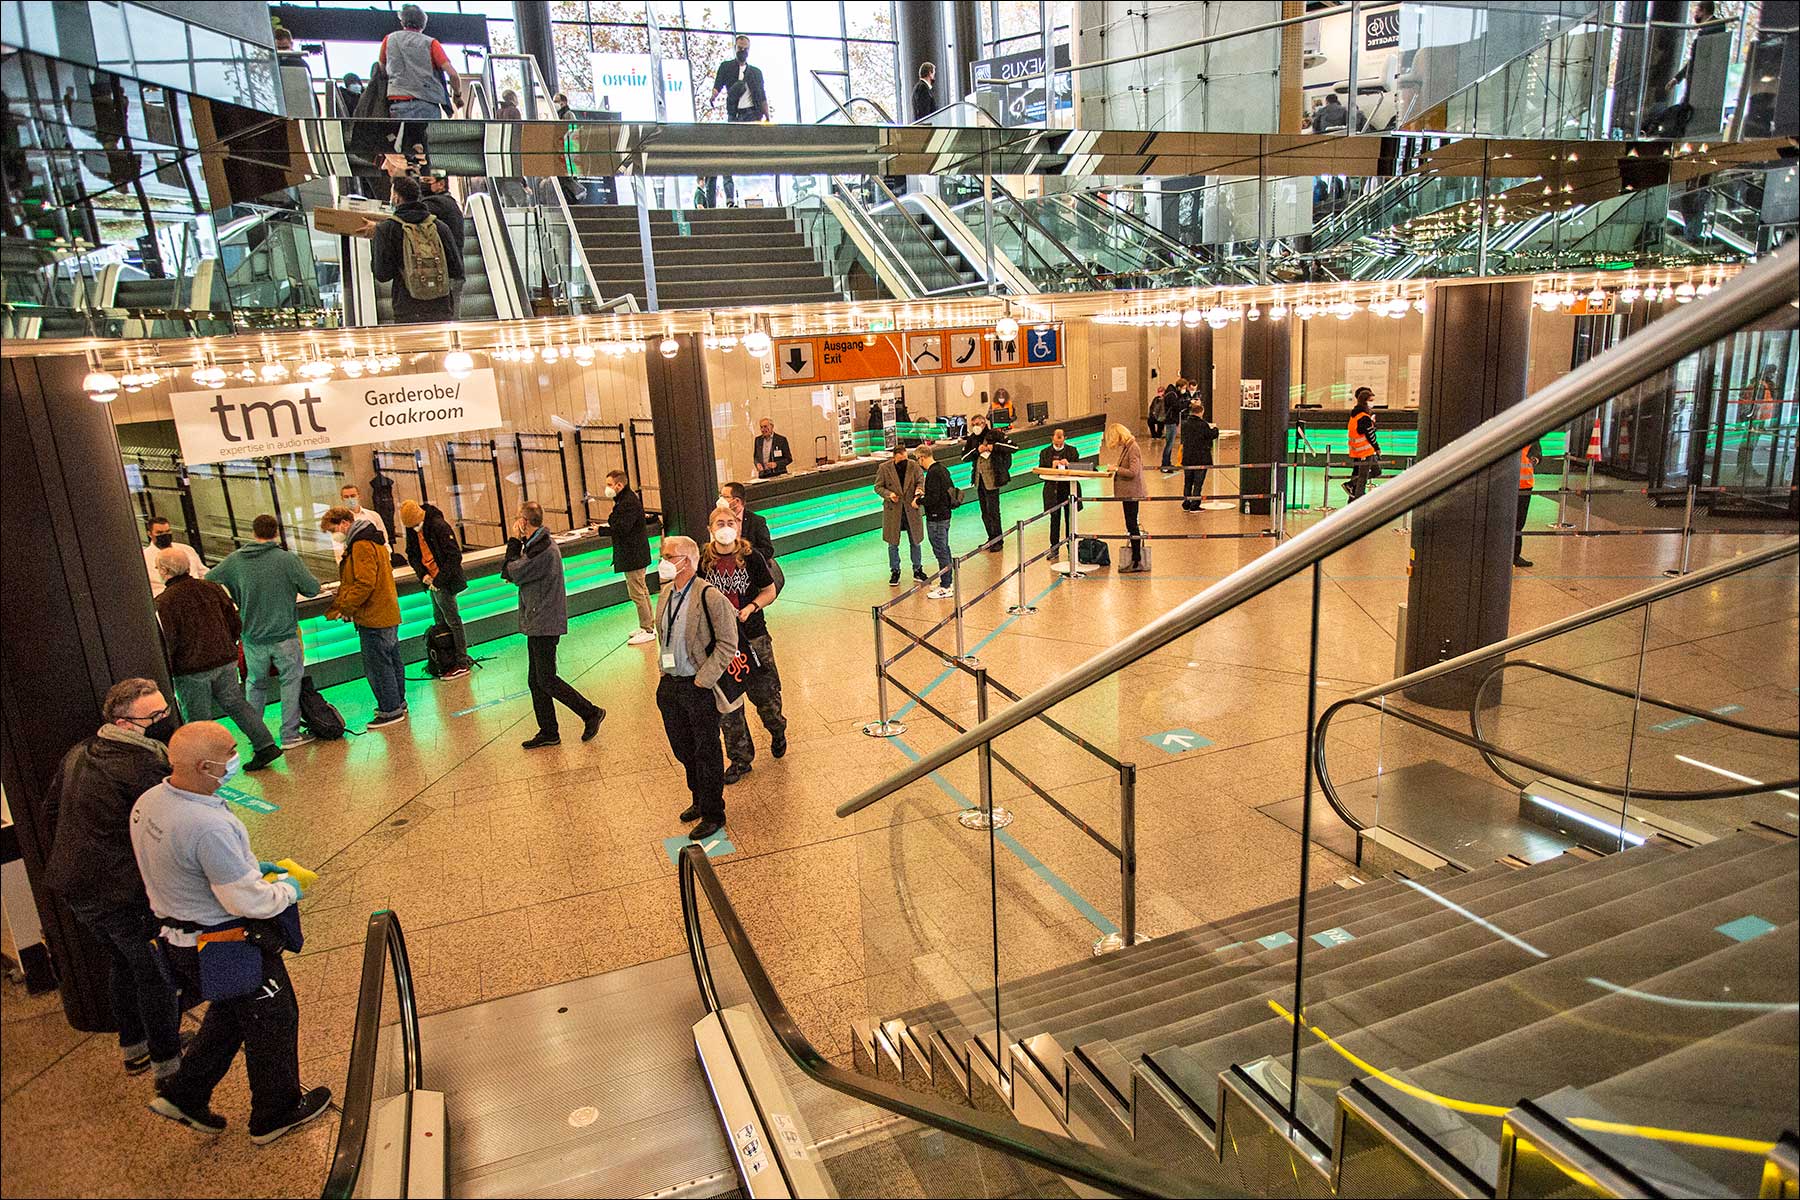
column 941, row 499
column 366, row 596
column 265, row 580
column 91, row 867
column 418, row 72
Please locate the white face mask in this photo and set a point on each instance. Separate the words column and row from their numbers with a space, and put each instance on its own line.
column 725, row 537
column 339, row 537
column 354, row 504
column 232, row 766
column 722, row 504
column 977, row 427
column 666, row 571
column 611, row 492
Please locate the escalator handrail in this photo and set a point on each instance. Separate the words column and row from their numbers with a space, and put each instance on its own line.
column 1018, row 206
column 1115, row 1173
column 913, row 219
column 1765, row 287
column 1371, row 697
column 383, row 944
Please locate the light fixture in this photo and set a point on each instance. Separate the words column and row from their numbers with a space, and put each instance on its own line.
column 757, row 342
column 1006, row 329
column 1705, row 289
column 549, row 354
column 1306, row 310
column 728, row 343
column 372, row 365
column 1419, row 304
column 274, row 372
column 1629, row 293
column 1277, row 311
column 1684, row 293
column 1252, row 313
column 100, row 382
column 353, row 368
column 668, row 347
column 583, row 354
column 1191, row 317
column 1596, row 296
column 459, row 364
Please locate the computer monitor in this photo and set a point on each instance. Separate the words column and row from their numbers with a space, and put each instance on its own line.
column 1037, row 411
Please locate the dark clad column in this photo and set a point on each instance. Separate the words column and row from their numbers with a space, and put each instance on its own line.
column 956, row 81
column 681, row 413
column 1197, row 360
column 80, row 619
column 1264, row 430
column 1459, row 596
column 533, row 30
column 920, row 31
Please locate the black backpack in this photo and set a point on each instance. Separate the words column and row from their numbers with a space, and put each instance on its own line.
column 441, row 655
column 1093, row 552
column 318, row 715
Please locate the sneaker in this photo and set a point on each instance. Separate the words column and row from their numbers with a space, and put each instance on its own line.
column 690, row 813
column 312, row 1104
column 941, row 593
column 919, row 574
column 894, row 579
column 382, row 720
column 204, row 1121
column 456, row 673
column 735, row 772
column 296, row 743
column 778, row 745
column 541, row 740
column 1521, row 562
column 705, row 829
column 640, row 638
column 137, row 1064
column 591, row 724
column 262, row 758
column 1347, row 490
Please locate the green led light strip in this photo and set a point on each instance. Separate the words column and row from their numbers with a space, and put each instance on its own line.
column 1400, row 441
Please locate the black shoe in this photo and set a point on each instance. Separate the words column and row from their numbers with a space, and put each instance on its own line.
column 263, row 758
column 1521, row 562
column 705, row 829
column 735, row 772
column 312, row 1104
column 591, row 725
column 919, row 574
column 204, row 1121
column 894, row 579
column 541, row 740
column 690, row 813
column 138, row 1065
column 996, row 548
column 778, row 745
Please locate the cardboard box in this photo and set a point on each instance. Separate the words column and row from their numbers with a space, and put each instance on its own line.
column 344, row 221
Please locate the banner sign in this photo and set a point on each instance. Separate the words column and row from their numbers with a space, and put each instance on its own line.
column 624, row 83
column 1023, row 103
column 225, row 424
column 852, row 357
column 1250, row 395
column 1381, row 30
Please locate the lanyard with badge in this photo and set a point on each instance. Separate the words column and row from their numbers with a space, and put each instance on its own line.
column 674, row 614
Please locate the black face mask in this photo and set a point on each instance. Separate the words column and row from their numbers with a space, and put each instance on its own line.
column 163, row 729
column 163, row 541
column 743, row 56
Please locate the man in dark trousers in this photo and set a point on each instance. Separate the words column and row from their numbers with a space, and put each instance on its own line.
column 201, row 628
column 1058, row 455
column 534, row 566
column 745, row 100
column 91, row 867
column 992, row 454
column 924, row 97
column 435, row 555
column 1197, row 436
column 773, row 456
column 631, row 551
column 389, row 256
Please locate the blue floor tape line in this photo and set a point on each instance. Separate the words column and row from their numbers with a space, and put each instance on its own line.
column 996, row 632
column 463, row 712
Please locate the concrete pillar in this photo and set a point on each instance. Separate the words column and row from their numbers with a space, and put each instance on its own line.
column 920, row 31
column 687, row 472
column 1267, row 359
column 1197, row 359
column 1459, row 596
column 955, row 79
column 533, row 31
column 77, row 585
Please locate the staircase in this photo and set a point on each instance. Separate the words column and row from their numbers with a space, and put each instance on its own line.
column 1607, row 990
column 728, row 257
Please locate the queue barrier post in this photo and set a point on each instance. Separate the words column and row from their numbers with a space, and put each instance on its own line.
column 1687, row 534
column 962, row 654
column 884, row 727
column 986, row 815
column 1021, row 607
column 1587, row 500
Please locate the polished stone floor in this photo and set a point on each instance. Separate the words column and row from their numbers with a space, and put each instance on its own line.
column 511, row 870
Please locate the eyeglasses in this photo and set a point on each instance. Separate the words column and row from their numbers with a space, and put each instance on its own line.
column 152, row 719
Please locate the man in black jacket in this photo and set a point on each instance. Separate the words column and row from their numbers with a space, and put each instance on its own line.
column 745, row 100
column 756, row 528
column 1058, row 455
column 389, row 256
column 91, row 865
column 631, row 551
column 941, row 499
column 992, row 455
column 1197, row 437
column 773, row 456
column 924, row 97
column 435, row 555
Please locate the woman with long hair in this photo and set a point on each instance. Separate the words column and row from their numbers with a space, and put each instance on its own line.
column 742, row 574
column 1128, row 485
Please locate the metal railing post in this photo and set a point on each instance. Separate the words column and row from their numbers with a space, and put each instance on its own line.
column 1687, row 533
column 985, row 815
column 1126, row 934
column 1325, row 484
column 1562, row 498
column 1022, row 606
column 883, row 727
column 1278, row 505
column 962, row 653
column 1072, row 565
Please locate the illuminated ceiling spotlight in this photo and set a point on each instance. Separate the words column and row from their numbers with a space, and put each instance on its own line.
column 757, row 342
column 1684, row 293
column 1192, row 317
column 668, row 347
column 273, row 372
column 728, row 343
column 1252, row 313
column 1278, row 310
column 101, row 386
column 459, row 364
column 583, row 354
column 1006, row 329
column 353, row 368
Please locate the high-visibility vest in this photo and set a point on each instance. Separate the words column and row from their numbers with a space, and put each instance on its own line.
column 1360, row 446
column 1765, row 406
column 1527, row 476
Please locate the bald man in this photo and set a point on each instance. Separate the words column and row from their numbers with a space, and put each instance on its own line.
column 202, row 877
column 201, row 628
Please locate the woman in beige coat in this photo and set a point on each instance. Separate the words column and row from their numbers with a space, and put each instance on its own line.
column 1128, row 486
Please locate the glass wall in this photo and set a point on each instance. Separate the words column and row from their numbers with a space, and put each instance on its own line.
column 335, row 59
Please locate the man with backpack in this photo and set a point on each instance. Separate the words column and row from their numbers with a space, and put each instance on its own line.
column 436, row 558
column 264, row 581
column 419, row 255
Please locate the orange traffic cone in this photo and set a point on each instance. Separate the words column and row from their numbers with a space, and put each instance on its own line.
column 1593, row 451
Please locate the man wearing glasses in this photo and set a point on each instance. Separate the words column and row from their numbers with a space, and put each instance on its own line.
column 92, row 868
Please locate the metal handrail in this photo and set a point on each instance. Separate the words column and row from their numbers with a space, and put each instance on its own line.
column 913, row 219
column 1114, row 1173
column 1092, row 276
column 1763, row 288
column 383, row 945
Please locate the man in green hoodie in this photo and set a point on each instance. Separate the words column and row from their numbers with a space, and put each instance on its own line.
column 265, row 582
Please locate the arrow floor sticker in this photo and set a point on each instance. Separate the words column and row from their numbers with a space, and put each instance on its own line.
column 1177, row 741
column 244, row 799
column 716, row 846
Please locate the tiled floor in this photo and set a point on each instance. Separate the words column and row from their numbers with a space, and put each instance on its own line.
column 511, row 870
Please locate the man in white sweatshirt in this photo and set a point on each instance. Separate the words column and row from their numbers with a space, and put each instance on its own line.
column 201, row 877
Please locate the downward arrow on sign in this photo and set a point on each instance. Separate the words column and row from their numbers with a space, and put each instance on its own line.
column 796, row 360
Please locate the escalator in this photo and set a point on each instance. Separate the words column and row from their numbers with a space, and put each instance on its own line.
column 493, row 287
column 1604, row 1007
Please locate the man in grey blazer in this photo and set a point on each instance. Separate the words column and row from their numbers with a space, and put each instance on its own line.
column 697, row 635
column 534, row 566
